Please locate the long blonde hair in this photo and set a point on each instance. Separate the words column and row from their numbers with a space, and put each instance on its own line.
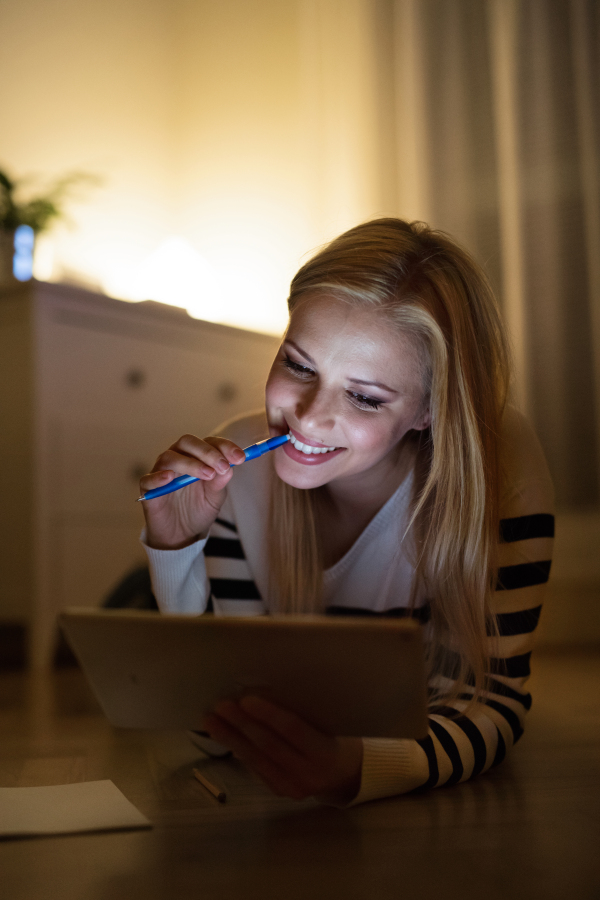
column 435, row 293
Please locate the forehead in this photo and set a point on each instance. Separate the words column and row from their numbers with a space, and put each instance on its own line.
column 324, row 319
column 354, row 336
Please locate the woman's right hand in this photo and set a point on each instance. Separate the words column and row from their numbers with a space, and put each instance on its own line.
column 178, row 519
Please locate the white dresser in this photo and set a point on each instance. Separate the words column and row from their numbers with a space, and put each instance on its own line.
column 91, row 389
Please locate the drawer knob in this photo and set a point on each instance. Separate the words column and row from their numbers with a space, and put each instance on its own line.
column 138, row 470
column 135, row 378
column 227, row 391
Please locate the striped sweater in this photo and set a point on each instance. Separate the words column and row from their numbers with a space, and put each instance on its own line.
column 228, row 574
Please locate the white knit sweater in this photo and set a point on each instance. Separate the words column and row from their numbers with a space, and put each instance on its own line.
column 228, row 572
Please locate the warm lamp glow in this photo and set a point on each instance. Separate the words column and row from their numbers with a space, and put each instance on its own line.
column 43, row 259
column 229, row 146
column 177, row 275
column 240, row 287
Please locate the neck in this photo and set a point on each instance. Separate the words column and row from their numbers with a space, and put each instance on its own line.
column 347, row 507
column 366, row 493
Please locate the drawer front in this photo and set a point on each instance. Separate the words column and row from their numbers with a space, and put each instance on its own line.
column 120, row 379
column 93, row 557
column 97, row 468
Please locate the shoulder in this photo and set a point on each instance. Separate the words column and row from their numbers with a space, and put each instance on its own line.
column 248, row 428
column 525, row 475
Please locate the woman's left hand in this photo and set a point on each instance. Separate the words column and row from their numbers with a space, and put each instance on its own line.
column 289, row 755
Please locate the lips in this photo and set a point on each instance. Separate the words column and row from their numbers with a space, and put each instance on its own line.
column 308, row 459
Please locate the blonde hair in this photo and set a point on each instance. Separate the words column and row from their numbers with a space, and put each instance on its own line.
column 436, row 294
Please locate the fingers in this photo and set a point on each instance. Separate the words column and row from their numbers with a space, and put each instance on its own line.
column 225, row 449
column 208, row 456
column 274, row 777
column 305, row 739
column 287, row 753
column 204, row 459
column 262, row 735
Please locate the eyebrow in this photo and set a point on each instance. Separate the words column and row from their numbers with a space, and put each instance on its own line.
column 309, row 359
column 378, row 384
column 300, row 351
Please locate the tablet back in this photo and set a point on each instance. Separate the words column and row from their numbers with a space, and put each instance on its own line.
column 347, row 676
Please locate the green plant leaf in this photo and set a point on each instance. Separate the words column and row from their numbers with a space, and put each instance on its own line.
column 39, row 212
column 5, row 182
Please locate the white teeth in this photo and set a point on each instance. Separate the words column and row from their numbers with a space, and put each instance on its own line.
column 308, row 449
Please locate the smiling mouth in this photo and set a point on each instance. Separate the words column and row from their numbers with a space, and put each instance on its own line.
column 309, row 449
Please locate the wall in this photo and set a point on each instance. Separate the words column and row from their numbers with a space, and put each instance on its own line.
column 571, row 613
column 86, row 85
column 253, row 130
column 242, row 187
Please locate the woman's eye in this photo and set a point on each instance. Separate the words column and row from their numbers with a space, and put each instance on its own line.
column 296, row 368
column 364, row 402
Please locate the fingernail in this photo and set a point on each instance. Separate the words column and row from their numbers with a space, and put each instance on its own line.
column 222, row 466
column 239, row 455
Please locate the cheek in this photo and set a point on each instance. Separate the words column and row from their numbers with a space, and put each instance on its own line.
column 278, row 391
column 272, row 389
column 377, row 434
column 369, row 433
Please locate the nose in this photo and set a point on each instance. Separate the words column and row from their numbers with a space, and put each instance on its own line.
column 315, row 411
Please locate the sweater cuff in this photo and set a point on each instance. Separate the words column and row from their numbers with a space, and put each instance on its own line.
column 169, row 569
column 390, row 767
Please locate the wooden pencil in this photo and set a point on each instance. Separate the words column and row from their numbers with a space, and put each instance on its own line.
column 215, row 791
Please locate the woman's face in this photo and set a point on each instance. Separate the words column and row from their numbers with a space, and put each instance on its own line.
column 347, row 385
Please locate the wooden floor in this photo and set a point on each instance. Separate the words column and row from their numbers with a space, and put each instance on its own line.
column 529, row 829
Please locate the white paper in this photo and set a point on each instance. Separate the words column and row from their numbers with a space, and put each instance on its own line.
column 67, row 808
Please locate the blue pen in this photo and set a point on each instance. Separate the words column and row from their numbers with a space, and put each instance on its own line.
column 250, row 453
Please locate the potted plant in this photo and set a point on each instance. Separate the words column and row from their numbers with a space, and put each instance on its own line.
column 23, row 217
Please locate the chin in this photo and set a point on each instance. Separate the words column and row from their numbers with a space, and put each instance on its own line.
column 303, row 480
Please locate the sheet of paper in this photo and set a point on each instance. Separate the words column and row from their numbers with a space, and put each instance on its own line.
column 67, row 808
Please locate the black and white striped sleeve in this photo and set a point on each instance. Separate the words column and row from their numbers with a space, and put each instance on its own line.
column 497, row 721
column 211, row 575
column 232, row 588
column 462, row 744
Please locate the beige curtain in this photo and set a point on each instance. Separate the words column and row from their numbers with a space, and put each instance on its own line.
column 481, row 117
column 504, row 105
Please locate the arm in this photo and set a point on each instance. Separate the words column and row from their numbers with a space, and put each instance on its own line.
column 197, row 561
column 210, row 575
column 296, row 761
column 459, row 748
column 177, row 524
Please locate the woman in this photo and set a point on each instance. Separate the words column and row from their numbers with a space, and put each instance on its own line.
column 408, row 487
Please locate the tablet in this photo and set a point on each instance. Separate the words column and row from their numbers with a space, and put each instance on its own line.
column 346, row 676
